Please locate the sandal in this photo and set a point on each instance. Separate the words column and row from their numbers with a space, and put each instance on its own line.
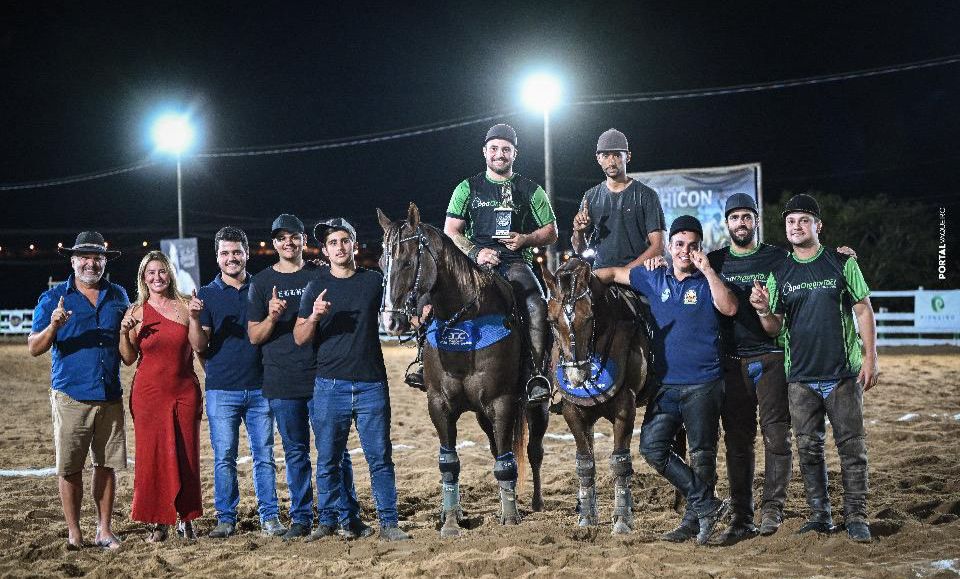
column 158, row 534
column 109, row 542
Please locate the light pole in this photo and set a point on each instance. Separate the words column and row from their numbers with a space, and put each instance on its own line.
column 541, row 93
column 174, row 134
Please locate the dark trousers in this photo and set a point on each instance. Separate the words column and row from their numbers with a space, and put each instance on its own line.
column 752, row 384
column 533, row 306
column 844, row 407
column 695, row 407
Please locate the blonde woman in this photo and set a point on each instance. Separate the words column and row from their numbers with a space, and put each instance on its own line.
column 165, row 402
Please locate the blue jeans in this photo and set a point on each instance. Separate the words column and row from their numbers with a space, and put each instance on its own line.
column 226, row 409
column 293, row 423
column 336, row 405
column 695, row 407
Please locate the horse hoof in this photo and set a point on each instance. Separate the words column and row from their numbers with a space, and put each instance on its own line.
column 536, row 505
column 513, row 520
column 449, row 532
column 621, row 528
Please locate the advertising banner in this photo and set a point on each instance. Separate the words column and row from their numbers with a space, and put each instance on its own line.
column 183, row 256
column 937, row 311
column 703, row 193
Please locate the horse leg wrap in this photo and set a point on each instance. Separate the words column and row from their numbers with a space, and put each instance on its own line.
column 449, row 466
column 621, row 467
column 587, row 495
column 505, row 470
column 450, row 475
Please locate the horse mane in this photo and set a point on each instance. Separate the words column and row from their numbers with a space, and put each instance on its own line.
column 465, row 271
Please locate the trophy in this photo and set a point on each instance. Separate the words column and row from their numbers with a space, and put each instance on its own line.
column 503, row 215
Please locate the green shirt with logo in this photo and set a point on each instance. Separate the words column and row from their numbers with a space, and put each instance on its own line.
column 816, row 298
column 475, row 199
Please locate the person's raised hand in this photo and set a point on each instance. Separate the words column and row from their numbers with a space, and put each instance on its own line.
column 321, row 306
column 760, row 298
column 60, row 315
column 195, row 306
column 276, row 306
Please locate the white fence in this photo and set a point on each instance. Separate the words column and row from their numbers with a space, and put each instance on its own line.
column 934, row 321
column 15, row 322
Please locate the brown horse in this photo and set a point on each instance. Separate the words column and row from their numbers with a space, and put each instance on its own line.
column 602, row 353
column 422, row 265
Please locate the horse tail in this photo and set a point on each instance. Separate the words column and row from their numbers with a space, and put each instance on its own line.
column 520, row 439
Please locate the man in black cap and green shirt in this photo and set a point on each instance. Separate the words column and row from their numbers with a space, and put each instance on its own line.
column 497, row 217
column 815, row 294
column 754, row 377
column 624, row 217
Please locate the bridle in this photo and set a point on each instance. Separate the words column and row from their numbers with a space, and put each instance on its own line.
column 410, row 303
column 569, row 311
column 409, row 306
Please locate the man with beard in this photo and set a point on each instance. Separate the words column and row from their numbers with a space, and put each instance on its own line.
column 339, row 317
column 288, row 374
column 234, row 386
column 80, row 321
column 472, row 214
column 815, row 293
column 684, row 300
column 624, row 216
column 754, row 378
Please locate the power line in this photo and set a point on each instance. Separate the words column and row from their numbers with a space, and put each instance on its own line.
column 497, row 115
column 765, row 86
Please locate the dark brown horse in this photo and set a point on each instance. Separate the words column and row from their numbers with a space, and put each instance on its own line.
column 422, row 265
column 602, row 351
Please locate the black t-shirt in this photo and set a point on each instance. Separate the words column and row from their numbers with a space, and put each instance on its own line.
column 621, row 222
column 288, row 369
column 347, row 341
column 743, row 334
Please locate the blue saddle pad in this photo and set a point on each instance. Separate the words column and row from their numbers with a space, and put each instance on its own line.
column 468, row 335
column 599, row 387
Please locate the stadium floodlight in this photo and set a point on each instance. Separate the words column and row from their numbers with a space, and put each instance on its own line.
column 174, row 134
column 541, row 92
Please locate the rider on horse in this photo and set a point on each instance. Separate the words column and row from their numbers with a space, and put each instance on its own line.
column 497, row 218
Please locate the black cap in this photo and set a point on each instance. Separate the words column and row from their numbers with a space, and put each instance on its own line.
column 288, row 222
column 335, row 224
column 686, row 223
column 802, row 203
column 501, row 131
column 90, row 242
column 740, row 201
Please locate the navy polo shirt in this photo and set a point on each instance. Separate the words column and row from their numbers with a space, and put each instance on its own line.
column 86, row 352
column 686, row 340
column 231, row 361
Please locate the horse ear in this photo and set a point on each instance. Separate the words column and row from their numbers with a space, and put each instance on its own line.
column 383, row 219
column 548, row 278
column 413, row 216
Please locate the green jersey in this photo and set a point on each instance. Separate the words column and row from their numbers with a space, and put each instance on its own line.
column 816, row 298
column 475, row 199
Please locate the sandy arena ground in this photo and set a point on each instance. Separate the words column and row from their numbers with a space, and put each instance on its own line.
column 913, row 421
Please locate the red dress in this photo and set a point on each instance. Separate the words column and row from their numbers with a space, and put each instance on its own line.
column 165, row 405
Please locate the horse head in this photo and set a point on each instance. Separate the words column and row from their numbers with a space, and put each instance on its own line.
column 409, row 268
column 570, row 313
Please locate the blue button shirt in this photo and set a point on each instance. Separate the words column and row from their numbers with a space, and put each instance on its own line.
column 231, row 361
column 86, row 352
column 686, row 341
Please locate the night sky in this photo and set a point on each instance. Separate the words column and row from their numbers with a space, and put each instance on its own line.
column 82, row 81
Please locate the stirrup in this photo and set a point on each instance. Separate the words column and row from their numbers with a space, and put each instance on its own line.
column 415, row 379
column 538, row 389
